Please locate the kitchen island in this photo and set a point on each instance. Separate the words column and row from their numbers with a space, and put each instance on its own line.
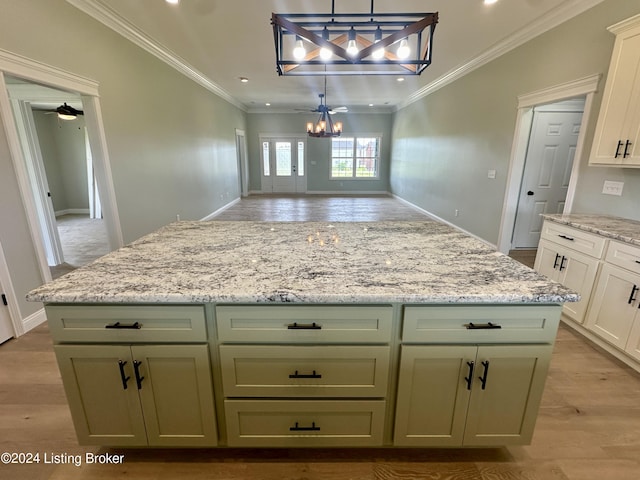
column 304, row 334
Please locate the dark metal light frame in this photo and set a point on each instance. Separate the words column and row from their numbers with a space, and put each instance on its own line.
column 373, row 31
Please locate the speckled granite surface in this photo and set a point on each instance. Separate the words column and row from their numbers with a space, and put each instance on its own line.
column 194, row 262
column 616, row 228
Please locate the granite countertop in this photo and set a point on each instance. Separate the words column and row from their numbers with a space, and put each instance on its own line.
column 312, row 262
column 616, row 228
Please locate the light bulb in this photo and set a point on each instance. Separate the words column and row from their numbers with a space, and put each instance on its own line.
column 403, row 50
column 299, row 51
column 352, row 48
column 325, row 53
column 378, row 53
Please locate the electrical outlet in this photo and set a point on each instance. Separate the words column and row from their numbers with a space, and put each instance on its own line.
column 456, row 212
column 612, row 188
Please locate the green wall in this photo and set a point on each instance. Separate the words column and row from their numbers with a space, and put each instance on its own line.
column 319, row 149
column 444, row 144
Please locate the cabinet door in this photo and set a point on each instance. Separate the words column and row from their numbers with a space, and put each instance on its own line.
column 547, row 259
column 614, row 305
column 577, row 272
column 633, row 344
column 176, row 394
column 508, row 385
column 104, row 412
column 433, row 395
column 618, row 117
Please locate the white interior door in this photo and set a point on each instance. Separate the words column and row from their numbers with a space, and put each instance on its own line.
column 283, row 165
column 547, row 172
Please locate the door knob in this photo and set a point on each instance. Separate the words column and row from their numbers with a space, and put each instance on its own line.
column 529, row 193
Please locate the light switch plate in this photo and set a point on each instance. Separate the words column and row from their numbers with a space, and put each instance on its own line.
column 612, row 188
column 491, row 174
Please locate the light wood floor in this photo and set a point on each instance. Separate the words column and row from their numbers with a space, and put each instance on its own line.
column 588, row 429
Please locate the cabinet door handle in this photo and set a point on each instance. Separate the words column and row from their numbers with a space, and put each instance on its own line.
column 123, row 376
column 618, row 149
column 304, row 326
column 482, row 326
column 562, row 265
column 626, row 147
column 566, row 238
column 632, row 296
column 313, row 428
column 300, row 375
column 136, row 369
column 469, row 379
column 555, row 262
column 483, row 378
column 118, row 325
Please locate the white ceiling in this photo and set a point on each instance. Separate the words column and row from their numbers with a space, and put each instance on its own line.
column 223, row 40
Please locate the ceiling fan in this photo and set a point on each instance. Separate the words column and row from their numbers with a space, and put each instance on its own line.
column 66, row 112
column 323, row 107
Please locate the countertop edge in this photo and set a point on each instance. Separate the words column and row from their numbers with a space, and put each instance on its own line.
column 556, row 218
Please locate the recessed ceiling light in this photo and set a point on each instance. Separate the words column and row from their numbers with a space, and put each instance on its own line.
column 371, row 104
column 244, row 79
column 400, row 79
column 490, row 2
column 267, row 104
column 173, row 2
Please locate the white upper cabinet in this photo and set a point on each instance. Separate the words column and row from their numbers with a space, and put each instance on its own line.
column 615, row 142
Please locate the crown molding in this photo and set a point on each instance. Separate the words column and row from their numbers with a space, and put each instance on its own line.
column 105, row 15
column 560, row 14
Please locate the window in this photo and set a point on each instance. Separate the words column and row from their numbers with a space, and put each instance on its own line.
column 355, row 157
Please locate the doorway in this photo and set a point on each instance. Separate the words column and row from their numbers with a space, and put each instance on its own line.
column 59, row 165
column 547, row 170
column 583, row 88
column 283, row 165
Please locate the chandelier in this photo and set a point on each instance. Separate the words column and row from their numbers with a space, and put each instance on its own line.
column 353, row 43
column 324, row 127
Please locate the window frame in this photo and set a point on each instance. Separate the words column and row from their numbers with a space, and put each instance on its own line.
column 354, row 157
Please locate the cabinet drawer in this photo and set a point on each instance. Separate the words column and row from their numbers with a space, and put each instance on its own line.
column 624, row 255
column 305, row 371
column 130, row 324
column 470, row 324
column 304, row 324
column 301, row 423
column 579, row 240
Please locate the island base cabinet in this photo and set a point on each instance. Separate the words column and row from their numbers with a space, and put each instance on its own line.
column 157, row 395
column 304, row 423
column 468, row 395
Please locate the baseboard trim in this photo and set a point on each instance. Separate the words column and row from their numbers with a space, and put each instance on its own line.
column 33, row 320
column 72, row 211
column 220, row 210
column 601, row 344
column 442, row 220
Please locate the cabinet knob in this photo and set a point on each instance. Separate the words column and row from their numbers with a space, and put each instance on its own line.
column 530, row 193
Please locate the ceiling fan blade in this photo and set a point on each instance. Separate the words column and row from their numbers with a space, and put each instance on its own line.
column 340, row 109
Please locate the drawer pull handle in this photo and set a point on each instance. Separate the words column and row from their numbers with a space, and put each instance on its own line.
column 482, row 326
column 555, row 262
column 633, row 293
column 469, row 379
column 123, row 376
column 566, row 238
column 637, row 261
column 300, row 375
column 312, row 428
column 483, row 378
column 304, row 326
column 626, row 147
column 120, row 326
column 136, row 369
